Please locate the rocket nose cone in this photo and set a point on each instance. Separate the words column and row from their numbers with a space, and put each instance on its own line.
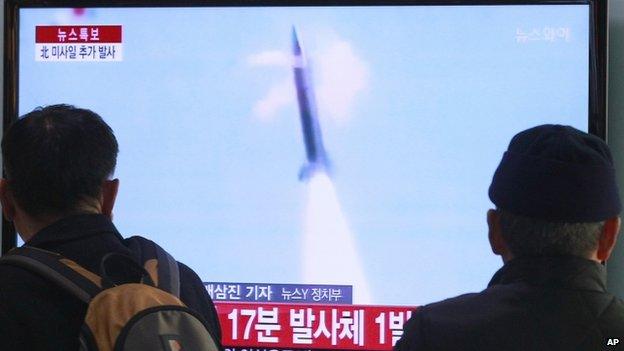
column 295, row 42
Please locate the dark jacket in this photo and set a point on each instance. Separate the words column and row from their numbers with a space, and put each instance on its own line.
column 531, row 304
column 35, row 315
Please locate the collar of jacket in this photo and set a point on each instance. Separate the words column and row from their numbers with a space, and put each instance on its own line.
column 553, row 271
column 73, row 228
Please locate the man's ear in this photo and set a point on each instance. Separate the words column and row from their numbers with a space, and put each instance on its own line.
column 608, row 238
column 109, row 195
column 6, row 199
column 497, row 243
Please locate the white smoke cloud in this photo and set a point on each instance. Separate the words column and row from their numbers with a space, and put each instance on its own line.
column 339, row 75
column 270, row 58
column 342, row 75
column 279, row 95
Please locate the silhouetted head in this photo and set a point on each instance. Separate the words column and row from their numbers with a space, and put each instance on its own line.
column 57, row 162
column 556, row 194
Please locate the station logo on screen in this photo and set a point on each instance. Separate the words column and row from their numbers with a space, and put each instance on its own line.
column 78, row 43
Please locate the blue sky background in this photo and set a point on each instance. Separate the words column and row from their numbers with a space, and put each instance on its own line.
column 447, row 87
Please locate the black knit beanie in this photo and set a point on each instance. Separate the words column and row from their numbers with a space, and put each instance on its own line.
column 557, row 173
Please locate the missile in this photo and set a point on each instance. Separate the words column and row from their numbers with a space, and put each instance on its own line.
column 316, row 157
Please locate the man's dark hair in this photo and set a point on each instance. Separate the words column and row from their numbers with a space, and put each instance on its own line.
column 527, row 236
column 56, row 157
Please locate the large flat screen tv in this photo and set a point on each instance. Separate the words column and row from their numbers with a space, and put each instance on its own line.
column 323, row 167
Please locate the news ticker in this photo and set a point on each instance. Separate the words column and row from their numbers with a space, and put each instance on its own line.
column 282, row 326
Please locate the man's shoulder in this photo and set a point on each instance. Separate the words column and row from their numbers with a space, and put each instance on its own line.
column 16, row 280
column 30, row 302
column 611, row 317
column 189, row 280
column 194, row 294
column 521, row 301
column 19, row 287
column 445, row 325
column 461, row 300
column 520, row 317
column 471, row 304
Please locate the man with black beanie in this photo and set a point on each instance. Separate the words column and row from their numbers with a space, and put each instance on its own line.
column 555, row 225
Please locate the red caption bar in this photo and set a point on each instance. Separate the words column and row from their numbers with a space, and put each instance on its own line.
column 77, row 34
column 311, row 326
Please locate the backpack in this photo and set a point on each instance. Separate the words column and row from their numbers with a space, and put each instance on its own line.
column 131, row 306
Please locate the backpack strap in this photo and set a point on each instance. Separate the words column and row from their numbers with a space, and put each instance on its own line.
column 162, row 267
column 65, row 273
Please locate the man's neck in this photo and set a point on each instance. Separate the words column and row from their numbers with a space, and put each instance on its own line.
column 28, row 226
column 592, row 256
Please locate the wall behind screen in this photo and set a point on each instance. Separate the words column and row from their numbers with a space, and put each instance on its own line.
column 616, row 126
column 1, row 77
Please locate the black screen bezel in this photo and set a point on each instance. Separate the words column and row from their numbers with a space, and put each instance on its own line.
column 597, row 111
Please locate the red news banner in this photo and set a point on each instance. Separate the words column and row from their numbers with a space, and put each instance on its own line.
column 78, row 43
column 311, row 326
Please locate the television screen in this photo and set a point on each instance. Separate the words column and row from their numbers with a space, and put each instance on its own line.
column 325, row 167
